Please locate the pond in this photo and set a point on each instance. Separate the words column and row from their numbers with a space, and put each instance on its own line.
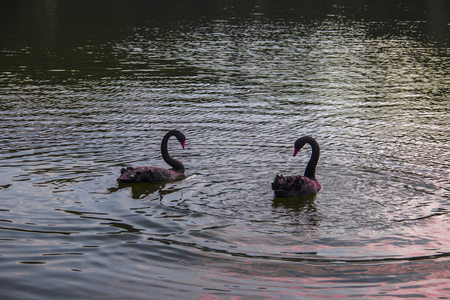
column 88, row 88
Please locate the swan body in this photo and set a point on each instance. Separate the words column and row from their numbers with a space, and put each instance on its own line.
column 295, row 186
column 152, row 174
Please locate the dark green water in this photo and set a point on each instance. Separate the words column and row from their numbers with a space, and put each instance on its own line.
column 88, row 87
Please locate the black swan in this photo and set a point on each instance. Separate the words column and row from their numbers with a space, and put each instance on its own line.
column 151, row 174
column 294, row 186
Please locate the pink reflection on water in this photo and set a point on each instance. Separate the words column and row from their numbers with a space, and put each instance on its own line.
column 268, row 280
column 216, row 297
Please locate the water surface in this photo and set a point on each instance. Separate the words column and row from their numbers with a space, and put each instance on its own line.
column 92, row 88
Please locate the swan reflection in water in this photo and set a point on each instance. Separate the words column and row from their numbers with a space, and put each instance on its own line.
column 140, row 190
column 301, row 212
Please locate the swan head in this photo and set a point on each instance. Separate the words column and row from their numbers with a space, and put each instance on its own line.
column 180, row 137
column 297, row 146
column 301, row 142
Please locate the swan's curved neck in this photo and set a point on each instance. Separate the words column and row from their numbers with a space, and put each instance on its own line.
column 310, row 170
column 174, row 163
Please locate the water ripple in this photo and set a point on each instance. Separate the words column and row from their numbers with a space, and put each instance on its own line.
column 242, row 90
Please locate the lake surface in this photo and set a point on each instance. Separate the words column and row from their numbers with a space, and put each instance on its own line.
column 89, row 87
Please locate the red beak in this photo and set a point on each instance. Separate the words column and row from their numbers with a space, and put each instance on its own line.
column 182, row 144
column 295, row 151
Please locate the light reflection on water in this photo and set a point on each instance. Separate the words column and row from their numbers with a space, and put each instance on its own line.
column 242, row 91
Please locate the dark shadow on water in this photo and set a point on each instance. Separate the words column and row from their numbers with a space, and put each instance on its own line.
column 302, row 210
column 140, row 190
column 296, row 203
